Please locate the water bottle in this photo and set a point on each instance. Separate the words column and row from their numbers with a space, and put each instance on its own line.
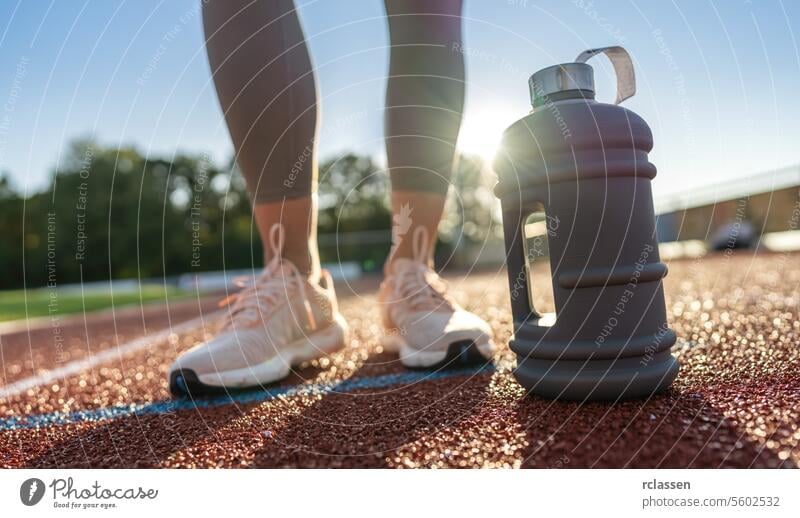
column 574, row 181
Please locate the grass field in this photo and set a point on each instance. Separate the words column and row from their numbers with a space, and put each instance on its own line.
column 39, row 302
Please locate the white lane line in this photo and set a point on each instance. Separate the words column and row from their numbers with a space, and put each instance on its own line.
column 113, row 353
column 38, row 323
column 31, row 324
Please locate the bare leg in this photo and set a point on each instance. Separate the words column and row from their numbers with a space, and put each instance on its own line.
column 265, row 83
column 424, row 102
column 299, row 218
column 411, row 210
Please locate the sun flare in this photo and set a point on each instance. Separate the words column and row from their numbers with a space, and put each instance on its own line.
column 481, row 131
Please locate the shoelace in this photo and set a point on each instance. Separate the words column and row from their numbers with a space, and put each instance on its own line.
column 422, row 288
column 279, row 277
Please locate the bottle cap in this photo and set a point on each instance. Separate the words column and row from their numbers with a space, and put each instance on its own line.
column 564, row 81
column 576, row 80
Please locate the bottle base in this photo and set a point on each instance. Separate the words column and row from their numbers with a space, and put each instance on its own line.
column 597, row 380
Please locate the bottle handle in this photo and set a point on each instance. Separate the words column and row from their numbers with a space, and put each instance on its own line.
column 623, row 68
column 516, row 261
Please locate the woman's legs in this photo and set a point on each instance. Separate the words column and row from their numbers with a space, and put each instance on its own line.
column 267, row 90
column 424, row 102
column 265, row 84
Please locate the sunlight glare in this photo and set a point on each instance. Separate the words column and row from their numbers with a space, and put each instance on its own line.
column 482, row 130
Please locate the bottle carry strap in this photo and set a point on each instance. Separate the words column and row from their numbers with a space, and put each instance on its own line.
column 623, row 69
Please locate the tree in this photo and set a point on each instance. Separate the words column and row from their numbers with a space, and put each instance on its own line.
column 112, row 213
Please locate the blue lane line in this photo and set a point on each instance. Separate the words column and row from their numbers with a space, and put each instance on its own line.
column 175, row 405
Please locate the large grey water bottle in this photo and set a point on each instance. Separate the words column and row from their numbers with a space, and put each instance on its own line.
column 574, row 184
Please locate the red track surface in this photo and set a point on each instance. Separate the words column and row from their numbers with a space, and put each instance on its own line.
column 736, row 402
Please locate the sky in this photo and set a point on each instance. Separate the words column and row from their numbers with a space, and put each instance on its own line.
column 716, row 81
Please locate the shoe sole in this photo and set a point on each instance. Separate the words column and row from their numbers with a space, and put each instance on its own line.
column 185, row 382
column 460, row 353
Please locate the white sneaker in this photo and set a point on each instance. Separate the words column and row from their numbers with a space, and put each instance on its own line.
column 279, row 322
column 424, row 324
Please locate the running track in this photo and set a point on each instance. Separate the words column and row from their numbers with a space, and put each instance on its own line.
column 91, row 392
